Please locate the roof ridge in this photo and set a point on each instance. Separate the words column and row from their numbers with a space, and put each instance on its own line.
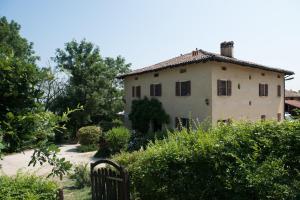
column 203, row 56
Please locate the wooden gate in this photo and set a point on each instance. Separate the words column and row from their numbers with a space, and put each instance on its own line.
column 109, row 181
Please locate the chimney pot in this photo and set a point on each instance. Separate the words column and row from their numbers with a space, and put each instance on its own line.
column 227, row 49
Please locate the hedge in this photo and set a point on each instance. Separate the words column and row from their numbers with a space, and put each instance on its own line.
column 238, row 161
column 27, row 187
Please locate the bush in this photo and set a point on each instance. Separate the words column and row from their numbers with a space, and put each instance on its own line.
column 141, row 140
column 81, row 175
column 27, row 187
column 114, row 141
column 257, row 160
column 145, row 112
column 117, row 139
column 87, row 148
column 89, row 135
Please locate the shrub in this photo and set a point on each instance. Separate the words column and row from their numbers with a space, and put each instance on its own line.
column 81, row 175
column 238, row 161
column 87, row 148
column 117, row 139
column 89, row 135
column 27, row 187
column 141, row 140
column 145, row 112
column 114, row 141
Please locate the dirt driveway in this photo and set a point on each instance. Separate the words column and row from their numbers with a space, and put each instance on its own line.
column 19, row 161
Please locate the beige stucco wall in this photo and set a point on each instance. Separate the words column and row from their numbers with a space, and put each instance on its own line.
column 203, row 77
column 237, row 106
column 176, row 106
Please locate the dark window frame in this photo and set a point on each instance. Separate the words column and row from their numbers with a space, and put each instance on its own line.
column 182, row 122
column 224, row 87
column 263, row 117
column 263, row 90
column 138, row 91
column 279, row 90
column 279, row 117
column 183, row 88
column 156, row 90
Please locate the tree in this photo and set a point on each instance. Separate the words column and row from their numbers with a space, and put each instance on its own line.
column 92, row 83
column 147, row 112
column 52, row 86
column 19, row 80
column 23, row 121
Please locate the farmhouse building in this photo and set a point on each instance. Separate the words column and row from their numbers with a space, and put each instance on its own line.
column 207, row 86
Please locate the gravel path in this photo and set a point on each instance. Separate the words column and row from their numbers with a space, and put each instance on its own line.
column 11, row 164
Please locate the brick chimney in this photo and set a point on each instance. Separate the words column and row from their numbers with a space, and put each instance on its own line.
column 227, row 49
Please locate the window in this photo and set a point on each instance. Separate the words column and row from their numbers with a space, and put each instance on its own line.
column 183, row 88
column 156, row 75
column 279, row 90
column 155, row 90
column 224, row 88
column 278, row 117
column 138, row 91
column 182, row 70
column 136, row 78
column 263, row 117
column 263, row 90
column 182, row 123
column 224, row 68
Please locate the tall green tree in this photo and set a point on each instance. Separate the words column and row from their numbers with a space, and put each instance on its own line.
column 19, row 73
column 92, row 83
column 19, row 86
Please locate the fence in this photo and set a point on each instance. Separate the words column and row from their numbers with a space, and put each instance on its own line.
column 109, row 181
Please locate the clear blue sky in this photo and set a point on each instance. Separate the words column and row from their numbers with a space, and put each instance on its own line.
column 147, row 32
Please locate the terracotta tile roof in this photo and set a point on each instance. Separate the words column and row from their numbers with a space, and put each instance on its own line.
column 291, row 93
column 197, row 57
column 294, row 103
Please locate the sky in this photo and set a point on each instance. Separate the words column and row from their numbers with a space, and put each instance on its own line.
column 150, row 31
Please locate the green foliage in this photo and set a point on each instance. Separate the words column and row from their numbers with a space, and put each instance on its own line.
column 296, row 114
column 117, row 139
column 20, row 79
column 81, row 175
column 27, row 187
column 48, row 154
column 92, row 83
column 141, row 140
column 114, row 141
column 89, row 135
column 87, row 148
column 145, row 112
column 238, row 161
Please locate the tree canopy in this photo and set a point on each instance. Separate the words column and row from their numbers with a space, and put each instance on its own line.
column 92, row 83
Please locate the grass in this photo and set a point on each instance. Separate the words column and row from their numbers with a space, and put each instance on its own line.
column 73, row 193
column 87, row 148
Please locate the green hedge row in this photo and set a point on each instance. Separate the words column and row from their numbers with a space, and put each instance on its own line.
column 239, row 161
column 27, row 187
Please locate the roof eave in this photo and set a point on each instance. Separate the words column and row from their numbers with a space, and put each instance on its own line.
column 211, row 58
